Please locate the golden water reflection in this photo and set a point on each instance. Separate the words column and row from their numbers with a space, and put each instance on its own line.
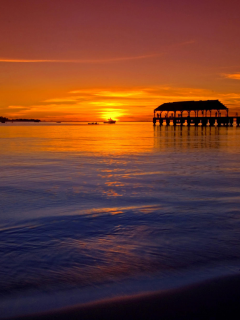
column 183, row 138
column 121, row 138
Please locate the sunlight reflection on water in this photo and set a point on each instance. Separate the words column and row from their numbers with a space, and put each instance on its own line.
column 82, row 205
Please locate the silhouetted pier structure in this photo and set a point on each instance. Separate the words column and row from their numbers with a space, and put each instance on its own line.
column 194, row 112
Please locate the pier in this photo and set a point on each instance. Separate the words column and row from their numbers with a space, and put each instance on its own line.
column 210, row 112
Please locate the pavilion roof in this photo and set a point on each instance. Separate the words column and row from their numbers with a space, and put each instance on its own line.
column 192, row 106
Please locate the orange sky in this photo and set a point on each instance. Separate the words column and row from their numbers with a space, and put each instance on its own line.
column 70, row 60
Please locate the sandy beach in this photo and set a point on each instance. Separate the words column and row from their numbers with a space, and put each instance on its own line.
column 210, row 299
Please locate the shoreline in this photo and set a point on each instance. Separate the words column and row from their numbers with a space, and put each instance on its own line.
column 37, row 301
column 209, row 299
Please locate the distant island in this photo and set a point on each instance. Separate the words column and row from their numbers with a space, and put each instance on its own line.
column 3, row 120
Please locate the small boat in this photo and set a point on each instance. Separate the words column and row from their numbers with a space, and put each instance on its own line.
column 58, row 122
column 110, row 121
column 93, row 123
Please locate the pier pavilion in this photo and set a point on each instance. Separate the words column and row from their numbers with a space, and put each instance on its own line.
column 208, row 112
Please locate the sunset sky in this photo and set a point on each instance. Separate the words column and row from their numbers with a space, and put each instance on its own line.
column 90, row 60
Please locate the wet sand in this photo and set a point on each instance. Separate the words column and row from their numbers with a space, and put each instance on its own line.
column 212, row 299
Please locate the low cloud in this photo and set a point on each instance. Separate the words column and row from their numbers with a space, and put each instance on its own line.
column 19, row 108
column 65, row 100
column 83, row 61
column 234, row 76
column 107, row 104
column 165, row 51
column 119, row 94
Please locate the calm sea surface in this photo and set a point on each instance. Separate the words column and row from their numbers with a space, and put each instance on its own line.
column 89, row 212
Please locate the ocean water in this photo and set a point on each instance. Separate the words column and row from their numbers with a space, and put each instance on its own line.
column 89, row 212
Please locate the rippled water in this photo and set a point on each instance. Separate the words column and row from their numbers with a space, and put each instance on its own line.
column 85, row 206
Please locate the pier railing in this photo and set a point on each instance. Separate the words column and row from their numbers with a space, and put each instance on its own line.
column 204, row 121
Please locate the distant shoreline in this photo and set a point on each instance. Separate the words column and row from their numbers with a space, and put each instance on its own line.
column 3, row 120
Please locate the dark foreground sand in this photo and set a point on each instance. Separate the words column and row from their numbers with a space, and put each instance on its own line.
column 213, row 299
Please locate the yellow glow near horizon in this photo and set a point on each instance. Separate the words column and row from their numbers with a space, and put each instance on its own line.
column 122, row 104
column 112, row 113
